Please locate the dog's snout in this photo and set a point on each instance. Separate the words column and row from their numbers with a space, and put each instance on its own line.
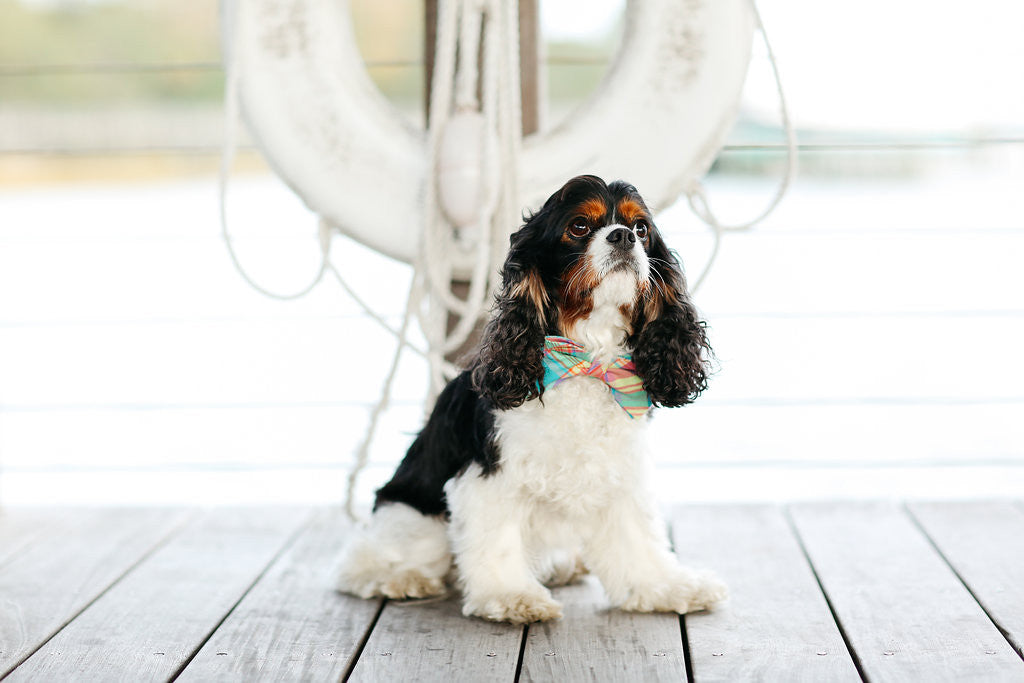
column 622, row 238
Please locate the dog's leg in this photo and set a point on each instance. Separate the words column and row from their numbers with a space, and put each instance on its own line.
column 400, row 554
column 490, row 552
column 627, row 548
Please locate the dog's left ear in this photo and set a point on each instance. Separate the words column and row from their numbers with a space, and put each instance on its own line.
column 670, row 346
column 509, row 366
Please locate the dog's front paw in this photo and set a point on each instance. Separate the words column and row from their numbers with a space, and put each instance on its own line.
column 399, row 585
column 412, row 584
column 515, row 608
column 683, row 591
column 710, row 590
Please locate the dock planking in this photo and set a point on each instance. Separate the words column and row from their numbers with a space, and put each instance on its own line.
column 991, row 564
column 21, row 530
column 152, row 620
column 291, row 625
column 595, row 642
column 776, row 625
column 905, row 613
column 431, row 641
column 55, row 578
column 923, row 591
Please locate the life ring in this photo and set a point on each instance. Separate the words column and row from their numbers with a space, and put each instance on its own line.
column 658, row 119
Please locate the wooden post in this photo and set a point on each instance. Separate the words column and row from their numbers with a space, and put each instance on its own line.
column 529, row 65
column 529, row 92
column 429, row 48
column 529, row 60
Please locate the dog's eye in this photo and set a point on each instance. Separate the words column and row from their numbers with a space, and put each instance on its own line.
column 579, row 228
column 642, row 229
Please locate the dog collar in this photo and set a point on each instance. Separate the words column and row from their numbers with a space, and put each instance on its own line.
column 564, row 358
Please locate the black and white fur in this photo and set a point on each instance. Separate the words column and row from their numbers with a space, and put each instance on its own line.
column 511, row 488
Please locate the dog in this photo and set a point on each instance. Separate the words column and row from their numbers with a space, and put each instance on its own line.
column 532, row 467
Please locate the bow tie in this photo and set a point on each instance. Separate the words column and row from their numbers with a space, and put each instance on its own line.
column 564, row 358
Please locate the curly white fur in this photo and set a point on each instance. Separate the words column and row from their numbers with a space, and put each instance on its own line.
column 573, row 478
column 400, row 554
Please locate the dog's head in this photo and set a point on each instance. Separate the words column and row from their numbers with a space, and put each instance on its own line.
column 589, row 233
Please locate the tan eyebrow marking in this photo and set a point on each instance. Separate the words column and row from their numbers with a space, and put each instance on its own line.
column 630, row 211
column 593, row 209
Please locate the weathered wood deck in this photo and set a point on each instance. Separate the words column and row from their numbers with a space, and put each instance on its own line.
column 820, row 592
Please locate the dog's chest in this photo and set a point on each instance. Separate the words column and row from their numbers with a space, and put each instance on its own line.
column 574, row 450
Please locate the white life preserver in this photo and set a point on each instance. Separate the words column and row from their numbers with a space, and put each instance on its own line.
column 658, row 119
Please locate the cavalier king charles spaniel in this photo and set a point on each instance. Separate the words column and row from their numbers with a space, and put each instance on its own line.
column 532, row 468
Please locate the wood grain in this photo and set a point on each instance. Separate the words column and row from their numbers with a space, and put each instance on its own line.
column 776, row 625
column 19, row 527
column 595, row 642
column 432, row 641
column 904, row 612
column 292, row 625
column 57, row 576
column 152, row 621
column 984, row 543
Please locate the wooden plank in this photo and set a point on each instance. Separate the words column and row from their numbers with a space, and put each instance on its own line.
column 904, row 612
column 776, row 625
column 150, row 624
column 56, row 577
column 432, row 641
column 20, row 527
column 595, row 642
column 984, row 543
column 292, row 625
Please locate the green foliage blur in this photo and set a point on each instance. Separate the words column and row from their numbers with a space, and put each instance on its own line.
column 37, row 34
column 79, row 33
column 90, row 36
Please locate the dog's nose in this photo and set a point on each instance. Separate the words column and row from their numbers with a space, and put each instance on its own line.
column 621, row 238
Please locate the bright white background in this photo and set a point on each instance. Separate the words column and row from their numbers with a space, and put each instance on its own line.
column 875, row 65
column 869, row 332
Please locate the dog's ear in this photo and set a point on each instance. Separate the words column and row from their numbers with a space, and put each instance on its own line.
column 670, row 344
column 509, row 367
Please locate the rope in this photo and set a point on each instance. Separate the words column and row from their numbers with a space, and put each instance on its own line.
column 444, row 57
column 696, row 194
column 433, row 311
column 398, row 334
column 231, row 115
column 227, row 158
column 479, row 289
column 455, row 83
column 228, row 150
column 363, row 451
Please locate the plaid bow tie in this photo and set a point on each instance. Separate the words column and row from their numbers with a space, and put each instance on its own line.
column 564, row 358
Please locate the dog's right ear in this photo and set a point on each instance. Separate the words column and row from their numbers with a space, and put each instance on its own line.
column 509, row 368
